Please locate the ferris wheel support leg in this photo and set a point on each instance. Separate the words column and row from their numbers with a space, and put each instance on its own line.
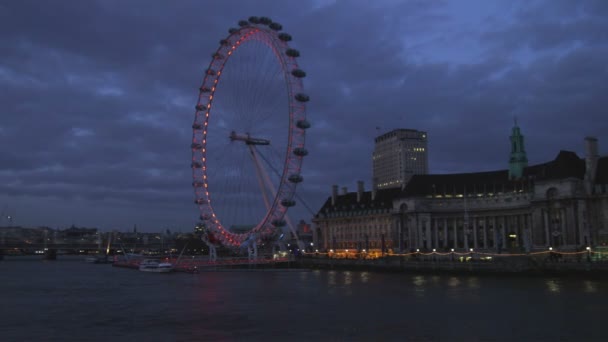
column 258, row 173
column 212, row 253
column 253, row 251
column 212, row 250
column 274, row 191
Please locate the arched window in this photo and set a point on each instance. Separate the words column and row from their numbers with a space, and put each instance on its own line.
column 552, row 193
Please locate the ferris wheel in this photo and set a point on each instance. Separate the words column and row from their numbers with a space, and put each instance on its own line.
column 248, row 137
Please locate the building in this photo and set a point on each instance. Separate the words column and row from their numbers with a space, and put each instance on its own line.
column 398, row 155
column 358, row 221
column 561, row 204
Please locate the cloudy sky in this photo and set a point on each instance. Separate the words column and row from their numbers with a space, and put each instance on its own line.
column 97, row 96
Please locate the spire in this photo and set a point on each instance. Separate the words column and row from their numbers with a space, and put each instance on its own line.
column 518, row 160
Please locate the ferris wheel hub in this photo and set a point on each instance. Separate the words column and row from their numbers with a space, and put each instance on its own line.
column 248, row 139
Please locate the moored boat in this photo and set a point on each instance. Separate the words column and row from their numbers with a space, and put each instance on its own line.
column 155, row 265
column 97, row 259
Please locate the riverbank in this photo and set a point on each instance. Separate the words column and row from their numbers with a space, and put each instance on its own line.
column 527, row 266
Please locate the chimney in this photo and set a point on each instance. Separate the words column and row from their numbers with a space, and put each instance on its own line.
column 591, row 157
column 359, row 191
column 334, row 194
column 344, row 190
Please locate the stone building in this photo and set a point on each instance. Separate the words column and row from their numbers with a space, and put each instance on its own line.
column 561, row 204
column 357, row 220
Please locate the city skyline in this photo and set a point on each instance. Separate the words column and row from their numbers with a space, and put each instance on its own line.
column 98, row 97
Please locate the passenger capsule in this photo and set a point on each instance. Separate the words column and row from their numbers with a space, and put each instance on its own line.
column 296, row 178
column 201, row 107
column 224, row 42
column 243, row 23
column 217, row 56
column 302, row 97
column 196, row 126
column 197, row 165
column 254, row 20
column 278, row 223
column 286, row 37
column 204, row 89
column 198, row 184
column 275, row 26
column 299, row 73
column 292, row 53
column 200, row 201
column 233, row 30
column 211, row 72
column 288, row 203
column 265, row 21
column 196, row 146
column 303, row 124
column 300, row 151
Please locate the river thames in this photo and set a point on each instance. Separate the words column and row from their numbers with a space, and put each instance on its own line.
column 70, row 300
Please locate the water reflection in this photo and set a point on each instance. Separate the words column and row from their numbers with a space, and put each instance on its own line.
column 453, row 282
column 473, row 283
column 348, row 278
column 419, row 282
column 553, row 285
column 590, row 286
column 364, row 277
column 331, row 278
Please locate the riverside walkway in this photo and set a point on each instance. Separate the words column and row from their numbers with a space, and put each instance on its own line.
column 194, row 265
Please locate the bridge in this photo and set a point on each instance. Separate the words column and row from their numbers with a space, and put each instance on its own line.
column 50, row 249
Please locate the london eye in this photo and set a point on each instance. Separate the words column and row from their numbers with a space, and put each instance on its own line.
column 248, row 138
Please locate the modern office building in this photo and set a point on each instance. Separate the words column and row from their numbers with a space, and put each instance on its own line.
column 398, row 155
column 561, row 204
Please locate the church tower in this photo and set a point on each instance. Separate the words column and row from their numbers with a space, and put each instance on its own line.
column 518, row 160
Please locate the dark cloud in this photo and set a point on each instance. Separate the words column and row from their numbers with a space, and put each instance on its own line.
column 97, row 97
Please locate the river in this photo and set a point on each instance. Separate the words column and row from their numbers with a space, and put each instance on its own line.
column 70, row 300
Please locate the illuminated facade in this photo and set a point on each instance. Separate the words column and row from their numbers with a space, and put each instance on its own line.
column 398, row 155
column 560, row 204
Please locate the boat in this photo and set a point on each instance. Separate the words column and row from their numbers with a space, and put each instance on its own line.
column 97, row 259
column 155, row 265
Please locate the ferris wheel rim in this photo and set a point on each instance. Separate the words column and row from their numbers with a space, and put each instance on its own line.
column 295, row 151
